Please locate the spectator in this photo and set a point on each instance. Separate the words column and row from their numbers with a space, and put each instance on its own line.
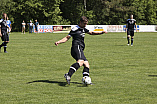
column 23, row 27
column 30, row 26
column 36, row 25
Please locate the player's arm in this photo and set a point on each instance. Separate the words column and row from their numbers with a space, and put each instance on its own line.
column 8, row 27
column 126, row 28
column 136, row 27
column 0, row 32
column 62, row 40
column 96, row 33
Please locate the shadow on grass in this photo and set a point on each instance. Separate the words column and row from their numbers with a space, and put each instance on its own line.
column 57, row 82
column 152, row 75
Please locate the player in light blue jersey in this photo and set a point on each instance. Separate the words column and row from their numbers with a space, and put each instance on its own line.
column 9, row 25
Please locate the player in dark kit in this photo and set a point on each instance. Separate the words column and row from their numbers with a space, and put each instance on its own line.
column 3, row 32
column 78, row 45
column 130, row 29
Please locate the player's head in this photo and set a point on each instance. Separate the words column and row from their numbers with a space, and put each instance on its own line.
column 83, row 21
column 36, row 20
column 131, row 16
column 4, row 15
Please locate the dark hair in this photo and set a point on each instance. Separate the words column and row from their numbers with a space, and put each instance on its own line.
column 83, row 18
column 3, row 14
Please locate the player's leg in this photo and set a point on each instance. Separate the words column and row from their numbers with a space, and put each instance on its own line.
column 2, row 37
column 5, row 47
column 78, row 55
column 30, row 29
column 6, row 41
column 24, row 29
column 132, row 38
column 128, row 37
column 4, row 44
column 74, row 67
column 86, row 68
column 1, row 46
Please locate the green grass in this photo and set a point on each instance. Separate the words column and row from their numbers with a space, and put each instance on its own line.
column 32, row 71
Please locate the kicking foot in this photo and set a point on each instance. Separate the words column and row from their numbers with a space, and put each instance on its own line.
column 67, row 77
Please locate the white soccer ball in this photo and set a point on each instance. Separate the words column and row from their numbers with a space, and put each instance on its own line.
column 86, row 80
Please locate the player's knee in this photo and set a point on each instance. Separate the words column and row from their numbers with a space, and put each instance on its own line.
column 86, row 64
column 80, row 62
column 6, row 43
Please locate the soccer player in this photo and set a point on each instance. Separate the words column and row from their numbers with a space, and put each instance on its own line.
column 78, row 45
column 130, row 29
column 9, row 24
column 36, row 25
column 3, row 32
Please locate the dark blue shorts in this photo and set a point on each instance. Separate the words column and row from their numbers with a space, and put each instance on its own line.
column 130, row 32
column 77, row 53
column 5, row 36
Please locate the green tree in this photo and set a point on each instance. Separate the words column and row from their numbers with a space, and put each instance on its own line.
column 150, row 12
column 72, row 10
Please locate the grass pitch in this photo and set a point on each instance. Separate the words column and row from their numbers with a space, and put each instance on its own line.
column 32, row 71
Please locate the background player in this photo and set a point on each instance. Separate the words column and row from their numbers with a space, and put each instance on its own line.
column 78, row 45
column 9, row 24
column 130, row 29
column 3, row 32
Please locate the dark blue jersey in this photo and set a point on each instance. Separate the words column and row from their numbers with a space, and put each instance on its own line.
column 78, row 35
column 131, row 23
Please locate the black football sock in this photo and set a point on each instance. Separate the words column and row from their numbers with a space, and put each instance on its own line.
column 128, row 40
column 86, row 71
column 73, row 69
column 2, row 44
column 132, row 39
column 5, row 46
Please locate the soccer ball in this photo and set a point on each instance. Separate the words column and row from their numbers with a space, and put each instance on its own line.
column 86, row 80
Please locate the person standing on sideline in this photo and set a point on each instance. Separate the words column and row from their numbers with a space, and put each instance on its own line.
column 3, row 32
column 30, row 26
column 23, row 27
column 36, row 25
column 78, row 46
column 130, row 29
column 9, row 24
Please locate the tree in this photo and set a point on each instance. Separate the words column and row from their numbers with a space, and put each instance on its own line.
column 150, row 12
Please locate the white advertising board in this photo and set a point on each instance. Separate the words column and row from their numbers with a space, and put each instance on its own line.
column 108, row 28
column 148, row 28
